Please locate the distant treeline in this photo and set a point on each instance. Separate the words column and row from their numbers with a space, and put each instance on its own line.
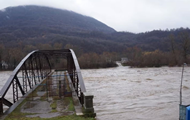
column 94, row 60
column 96, row 49
column 179, row 53
column 10, row 57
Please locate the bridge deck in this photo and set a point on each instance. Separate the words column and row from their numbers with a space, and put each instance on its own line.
column 52, row 98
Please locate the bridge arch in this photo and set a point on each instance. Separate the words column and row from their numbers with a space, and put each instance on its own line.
column 34, row 68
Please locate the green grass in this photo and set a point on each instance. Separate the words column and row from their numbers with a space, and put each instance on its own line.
column 71, row 105
column 54, row 106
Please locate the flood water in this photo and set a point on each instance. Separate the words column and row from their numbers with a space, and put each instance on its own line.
column 124, row 93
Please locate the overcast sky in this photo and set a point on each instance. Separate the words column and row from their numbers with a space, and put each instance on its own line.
column 123, row 15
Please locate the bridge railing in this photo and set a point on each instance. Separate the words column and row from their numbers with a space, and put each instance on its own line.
column 76, row 76
column 29, row 72
column 34, row 68
column 73, row 69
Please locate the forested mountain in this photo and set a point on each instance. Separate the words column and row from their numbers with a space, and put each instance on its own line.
column 26, row 28
column 49, row 19
column 36, row 25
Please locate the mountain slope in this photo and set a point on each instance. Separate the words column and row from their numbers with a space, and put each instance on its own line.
column 45, row 17
column 31, row 27
column 35, row 25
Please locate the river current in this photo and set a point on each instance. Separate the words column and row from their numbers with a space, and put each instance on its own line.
column 124, row 93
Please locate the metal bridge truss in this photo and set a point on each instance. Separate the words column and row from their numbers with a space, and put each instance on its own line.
column 33, row 69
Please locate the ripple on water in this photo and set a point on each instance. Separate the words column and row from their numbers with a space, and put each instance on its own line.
column 125, row 93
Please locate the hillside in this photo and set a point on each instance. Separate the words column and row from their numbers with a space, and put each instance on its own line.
column 36, row 25
column 45, row 17
column 26, row 28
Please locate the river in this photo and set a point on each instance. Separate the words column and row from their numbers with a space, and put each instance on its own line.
column 125, row 93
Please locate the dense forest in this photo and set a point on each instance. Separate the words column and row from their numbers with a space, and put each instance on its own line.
column 27, row 28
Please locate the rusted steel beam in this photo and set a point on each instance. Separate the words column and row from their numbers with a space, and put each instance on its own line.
column 32, row 72
column 40, row 65
column 27, row 76
column 19, row 85
column 6, row 102
column 15, row 90
column 24, row 80
column 37, row 68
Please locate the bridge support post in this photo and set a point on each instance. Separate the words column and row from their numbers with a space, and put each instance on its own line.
column 1, row 106
column 60, row 93
column 88, row 105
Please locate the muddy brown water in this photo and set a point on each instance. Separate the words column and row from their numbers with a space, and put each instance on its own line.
column 124, row 93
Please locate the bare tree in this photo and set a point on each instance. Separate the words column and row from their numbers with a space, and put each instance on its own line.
column 185, row 45
column 173, row 49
